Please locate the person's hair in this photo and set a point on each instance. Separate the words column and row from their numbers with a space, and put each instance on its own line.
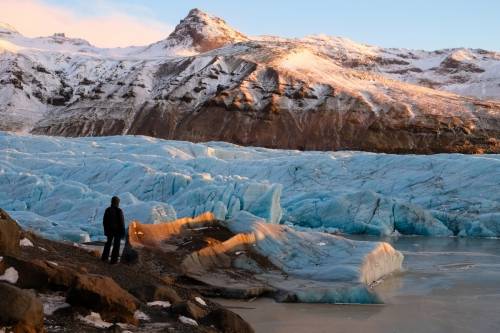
column 115, row 201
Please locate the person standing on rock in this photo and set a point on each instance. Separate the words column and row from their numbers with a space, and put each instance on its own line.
column 114, row 229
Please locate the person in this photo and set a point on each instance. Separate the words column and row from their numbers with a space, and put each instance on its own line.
column 114, row 229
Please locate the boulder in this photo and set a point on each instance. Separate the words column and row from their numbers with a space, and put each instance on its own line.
column 41, row 275
column 20, row 309
column 165, row 293
column 226, row 321
column 103, row 295
column 151, row 293
column 115, row 328
column 10, row 234
column 189, row 309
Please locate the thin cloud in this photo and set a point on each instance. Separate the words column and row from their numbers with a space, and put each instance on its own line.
column 34, row 18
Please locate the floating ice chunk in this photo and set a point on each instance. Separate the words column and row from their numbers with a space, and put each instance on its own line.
column 10, row 275
column 188, row 321
column 200, row 301
column 25, row 242
column 299, row 253
column 349, row 294
column 163, row 304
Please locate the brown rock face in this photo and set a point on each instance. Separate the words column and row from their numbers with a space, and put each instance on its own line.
column 205, row 32
column 10, row 234
column 265, row 101
column 103, row 295
column 20, row 309
column 227, row 321
column 190, row 309
column 41, row 275
column 152, row 293
column 326, row 129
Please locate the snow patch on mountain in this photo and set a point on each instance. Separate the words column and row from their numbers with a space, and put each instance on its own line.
column 66, row 86
column 7, row 29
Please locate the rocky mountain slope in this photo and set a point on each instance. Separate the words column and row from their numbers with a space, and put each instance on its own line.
column 207, row 81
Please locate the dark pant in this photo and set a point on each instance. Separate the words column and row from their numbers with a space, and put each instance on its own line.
column 115, row 240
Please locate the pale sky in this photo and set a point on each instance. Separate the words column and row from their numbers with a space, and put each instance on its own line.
column 425, row 24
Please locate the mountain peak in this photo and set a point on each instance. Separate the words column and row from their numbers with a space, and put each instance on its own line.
column 197, row 12
column 204, row 32
column 7, row 29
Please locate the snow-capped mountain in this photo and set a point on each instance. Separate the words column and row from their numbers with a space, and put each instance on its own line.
column 207, row 81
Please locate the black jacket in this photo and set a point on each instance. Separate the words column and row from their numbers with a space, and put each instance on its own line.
column 114, row 222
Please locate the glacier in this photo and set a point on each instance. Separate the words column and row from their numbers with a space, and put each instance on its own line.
column 59, row 187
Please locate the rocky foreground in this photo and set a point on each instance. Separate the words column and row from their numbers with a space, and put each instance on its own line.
column 207, row 81
column 167, row 270
column 48, row 286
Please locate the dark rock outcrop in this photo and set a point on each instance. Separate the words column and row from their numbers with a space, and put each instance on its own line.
column 205, row 32
column 220, row 318
column 151, row 293
column 10, row 234
column 226, row 321
column 41, row 275
column 20, row 310
column 190, row 309
column 103, row 295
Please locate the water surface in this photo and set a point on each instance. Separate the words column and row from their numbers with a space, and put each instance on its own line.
column 449, row 285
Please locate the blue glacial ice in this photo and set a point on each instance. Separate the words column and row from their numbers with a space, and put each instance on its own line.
column 61, row 186
column 318, row 256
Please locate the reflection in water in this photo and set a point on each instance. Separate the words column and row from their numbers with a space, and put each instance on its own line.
column 448, row 285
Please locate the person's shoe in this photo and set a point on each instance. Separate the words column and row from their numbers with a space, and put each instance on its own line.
column 113, row 262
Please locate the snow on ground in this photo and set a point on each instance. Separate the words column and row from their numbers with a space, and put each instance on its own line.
column 10, row 275
column 200, row 301
column 60, row 186
column 188, row 321
column 94, row 319
column 53, row 303
column 25, row 242
column 162, row 304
